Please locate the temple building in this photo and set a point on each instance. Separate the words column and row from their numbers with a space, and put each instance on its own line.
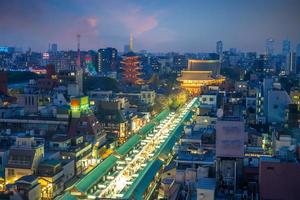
column 131, row 69
column 200, row 73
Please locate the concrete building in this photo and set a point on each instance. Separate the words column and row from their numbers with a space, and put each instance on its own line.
column 278, row 101
column 84, row 122
column 291, row 65
column 270, row 46
column 279, row 180
column 262, row 100
column 230, row 140
column 206, row 189
column 51, row 178
column 209, row 99
column 27, row 188
column 219, row 48
column 81, row 152
column 286, row 47
column 107, row 60
column 23, row 158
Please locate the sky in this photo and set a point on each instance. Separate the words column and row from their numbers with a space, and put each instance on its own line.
column 157, row 25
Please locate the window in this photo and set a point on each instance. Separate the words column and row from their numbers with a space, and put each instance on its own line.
column 83, row 124
column 55, row 145
column 211, row 99
column 11, row 172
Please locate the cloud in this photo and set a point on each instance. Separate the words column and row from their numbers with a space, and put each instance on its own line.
column 91, row 21
column 138, row 22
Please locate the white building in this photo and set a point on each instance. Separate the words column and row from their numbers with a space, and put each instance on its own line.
column 278, row 101
column 206, row 189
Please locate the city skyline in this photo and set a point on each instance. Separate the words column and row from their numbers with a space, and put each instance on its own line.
column 157, row 26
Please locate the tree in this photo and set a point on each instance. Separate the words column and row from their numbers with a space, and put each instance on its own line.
column 104, row 83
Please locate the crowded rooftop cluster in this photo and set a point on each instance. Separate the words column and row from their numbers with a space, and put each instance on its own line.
column 136, row 124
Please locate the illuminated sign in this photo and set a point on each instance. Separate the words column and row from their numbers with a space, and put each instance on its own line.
column 80, row 104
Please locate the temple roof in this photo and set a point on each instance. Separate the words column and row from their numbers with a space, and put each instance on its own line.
column 195, row 75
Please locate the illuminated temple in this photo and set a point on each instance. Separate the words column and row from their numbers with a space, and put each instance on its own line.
column 131, row 69
column 200, row 73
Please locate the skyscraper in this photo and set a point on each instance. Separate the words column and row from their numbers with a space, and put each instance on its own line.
column 107, row 60
column 286, row 47
column 298, row 50
column 219, row 48
column 291, row 63
column 270, row 46
column 298, row 58
column 54, row 48
column 126, row 48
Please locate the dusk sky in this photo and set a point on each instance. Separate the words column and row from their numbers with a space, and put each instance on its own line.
column 157, row 25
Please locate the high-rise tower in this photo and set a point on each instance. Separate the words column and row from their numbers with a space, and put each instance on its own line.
column 298, row 50
column 286, row 47
column 131, row 42
column 270, row 46
column 291, row 63
column 219, row 49
column 107, row 59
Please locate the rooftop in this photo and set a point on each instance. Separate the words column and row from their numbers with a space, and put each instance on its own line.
column 207, row 183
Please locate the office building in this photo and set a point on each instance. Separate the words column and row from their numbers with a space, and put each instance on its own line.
column 291, row 63
column 107, row 60
column 7, row 49
column 230, row 139
column 53, row 48
column 219, row 48
column 286, row 47
column 262, row 100
column 179, row 62
column 298, row 50
column 270, row 46
column 126, row 48
column 27, row 188
column 295, row 97
column 23, row 158
column 278, row 101
column 278, row 179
